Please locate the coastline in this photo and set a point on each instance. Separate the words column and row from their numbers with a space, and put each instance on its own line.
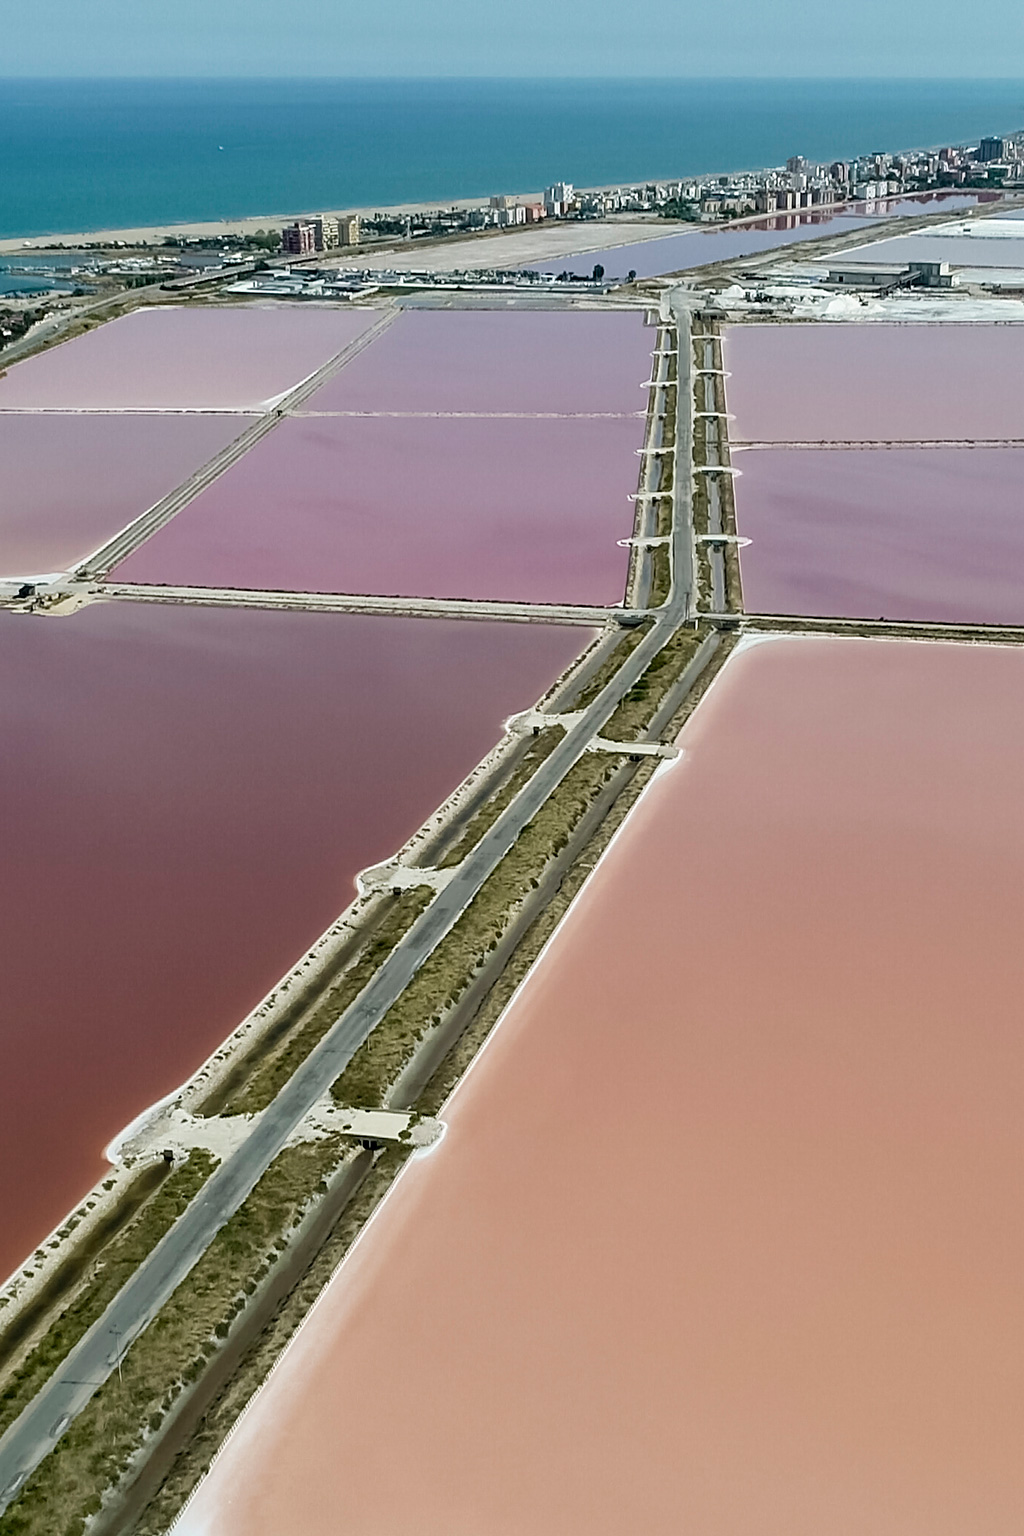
column 214, row 228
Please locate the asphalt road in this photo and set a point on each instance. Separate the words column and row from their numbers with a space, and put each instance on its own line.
column 96, row 1355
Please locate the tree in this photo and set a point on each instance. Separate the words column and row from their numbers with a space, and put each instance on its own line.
column 598, row 272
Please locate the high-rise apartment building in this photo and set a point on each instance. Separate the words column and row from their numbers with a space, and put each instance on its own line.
column 299, row 239
column 558, row 198
column 325, row 229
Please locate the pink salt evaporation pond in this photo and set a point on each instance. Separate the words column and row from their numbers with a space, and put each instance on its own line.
column 875, row 382
column 237, row 359
column 918, row 533
column 188, row 795
column 724, row 1235
column 526, row 509
column 71, row 482
column 520, row 361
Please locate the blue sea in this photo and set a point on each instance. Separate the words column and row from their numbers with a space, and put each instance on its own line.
column 95, row 154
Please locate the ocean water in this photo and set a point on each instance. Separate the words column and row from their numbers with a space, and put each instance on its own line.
column 95, row 154
column 23, row 286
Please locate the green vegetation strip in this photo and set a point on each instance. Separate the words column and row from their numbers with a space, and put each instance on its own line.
column 274, row 1066
column 121, row 1257
column 445, row 975
column 540, row 747
column 197, row 1454
column 74, row 1262
column 611, row 664
column 733, row 582
column 661, row 574
column 97, row 1451
column 634, row 777
column 642, row 701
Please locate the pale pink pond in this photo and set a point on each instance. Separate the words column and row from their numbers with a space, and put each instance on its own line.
column 188, row 795
column 875, row 383
column 973, row 250
column 437, row 507
column 897, row 533
column 521, row 361
column 697, row 247
column 237, row 359
column 725, row 1234
column 71, row 482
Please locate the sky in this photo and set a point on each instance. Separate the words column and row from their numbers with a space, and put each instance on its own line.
column 781, row 38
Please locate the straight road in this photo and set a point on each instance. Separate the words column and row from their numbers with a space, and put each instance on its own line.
column 96, row 1355
column 328, row 602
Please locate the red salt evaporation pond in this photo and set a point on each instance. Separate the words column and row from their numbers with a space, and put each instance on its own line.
column 238, row 359
column 522, row 361
column 520, row 509
column 725, row 1232
column 875, row 383
column 72, row 482
column 188, row 795
column 899, row 533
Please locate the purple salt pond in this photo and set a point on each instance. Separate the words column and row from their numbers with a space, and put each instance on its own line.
column 188, row 795
column 875, row 383
column 697, row 247
column 71, row 482
column 525, row 362
column 237, row 359
column 959, row 250
column 527, row 509
column 929, row 533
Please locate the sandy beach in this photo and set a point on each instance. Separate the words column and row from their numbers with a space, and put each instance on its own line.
column 216, row 228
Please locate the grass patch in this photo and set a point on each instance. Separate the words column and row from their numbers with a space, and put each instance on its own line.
column 700, row 504
column 445, row 975
column 642, row 701
column 196, row 1456
column 733, row 582
column 661, row 574
column 611, row 664
column 266, row 1070
column 121, row 1257
column 540, row 747
column 78, row 1258
column 97, row 1450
